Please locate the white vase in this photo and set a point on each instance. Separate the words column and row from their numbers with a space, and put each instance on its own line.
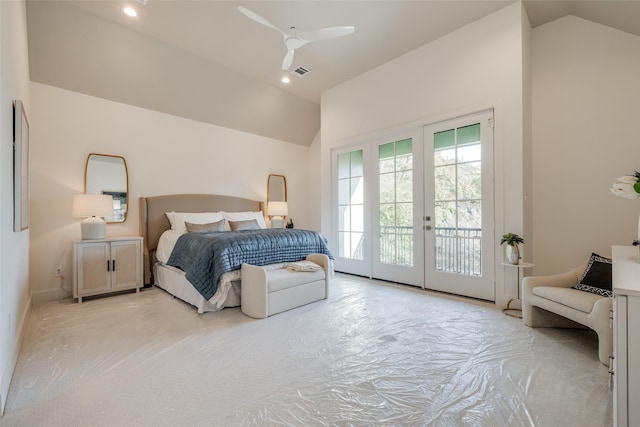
column 513, row 254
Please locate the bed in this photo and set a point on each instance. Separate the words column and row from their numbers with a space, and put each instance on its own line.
column 156, row 230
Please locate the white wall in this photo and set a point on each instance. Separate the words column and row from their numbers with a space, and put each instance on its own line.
column 14, row 247
column 315, row 183
column 478, row 66
column 586, row 105
column 527, row 146
column 165, row 154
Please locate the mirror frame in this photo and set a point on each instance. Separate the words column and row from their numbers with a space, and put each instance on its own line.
column 126, row 177
column 284, row 181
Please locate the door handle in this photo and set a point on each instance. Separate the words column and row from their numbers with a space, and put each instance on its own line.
column 113, row 265
column 427, row 218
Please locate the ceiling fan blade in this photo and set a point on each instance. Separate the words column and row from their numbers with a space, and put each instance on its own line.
column 326, row 33
column 259, row 19
column 288, row 59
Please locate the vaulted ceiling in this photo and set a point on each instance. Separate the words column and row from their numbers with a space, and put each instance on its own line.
column 206, row 61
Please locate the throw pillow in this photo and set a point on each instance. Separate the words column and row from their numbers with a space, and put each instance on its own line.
column 250, row 224
column 597, row 277
column 205, row 228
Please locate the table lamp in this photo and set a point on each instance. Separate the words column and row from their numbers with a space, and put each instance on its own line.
column 277, row 210
column 93, row 207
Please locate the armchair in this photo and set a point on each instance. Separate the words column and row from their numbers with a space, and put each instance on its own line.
column 550, row 302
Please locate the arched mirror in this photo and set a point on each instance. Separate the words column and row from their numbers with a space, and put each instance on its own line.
column 277, row 207
column 276, row 188
column 106, row 174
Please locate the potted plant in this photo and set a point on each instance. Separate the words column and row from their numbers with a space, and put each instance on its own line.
column 512, row 251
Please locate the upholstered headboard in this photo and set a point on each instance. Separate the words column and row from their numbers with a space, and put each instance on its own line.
column 154, row 222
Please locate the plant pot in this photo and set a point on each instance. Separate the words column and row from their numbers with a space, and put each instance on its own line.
column 513, row 254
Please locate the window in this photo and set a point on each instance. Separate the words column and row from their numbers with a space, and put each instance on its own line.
column 351, row 204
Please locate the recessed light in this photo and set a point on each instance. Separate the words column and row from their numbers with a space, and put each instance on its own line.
column 130, row 11
column 285, row 79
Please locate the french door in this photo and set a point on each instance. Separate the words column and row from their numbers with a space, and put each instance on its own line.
column 397, row 247
column 459, row 217
column 417, row 208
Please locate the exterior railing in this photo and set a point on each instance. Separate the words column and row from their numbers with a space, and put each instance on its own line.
column 457, row 250
column 396, row 245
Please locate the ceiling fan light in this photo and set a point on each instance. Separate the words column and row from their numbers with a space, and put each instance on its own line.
column 130, row 11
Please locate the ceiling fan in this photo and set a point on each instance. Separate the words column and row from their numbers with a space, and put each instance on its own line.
column 297, row 39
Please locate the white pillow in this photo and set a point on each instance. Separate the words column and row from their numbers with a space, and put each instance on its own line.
column 177, row 219
column 243, row 216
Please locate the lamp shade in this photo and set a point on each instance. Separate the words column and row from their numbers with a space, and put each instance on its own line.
column 85, row 205
column 277, row 209
column 92, row 206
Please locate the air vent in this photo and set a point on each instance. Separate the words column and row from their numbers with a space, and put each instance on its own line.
column 300, row 71
column 142, row 2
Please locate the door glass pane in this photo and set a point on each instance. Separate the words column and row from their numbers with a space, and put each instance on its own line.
column 342, row 215
column 356, row 250
column 350, row 204
column 357, row 214
column 357, row 191
column 458, row 197
column 469, row 214
column 395, row 170
column 387, row 188
column 469, row 180
column 343, row 165
column 344, row 191
column 404, row 186
column 357, row 168
column 468, row 134
column 343, row 244
column 387, row 157
column 404, row 216
column 469, row 153
column 444, row 140
column 404, row 157
column 445, row 183
column 445, row 216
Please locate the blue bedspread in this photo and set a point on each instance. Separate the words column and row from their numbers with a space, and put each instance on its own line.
column 205, row 257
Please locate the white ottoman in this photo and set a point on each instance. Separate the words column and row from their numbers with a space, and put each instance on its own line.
column 267, row 292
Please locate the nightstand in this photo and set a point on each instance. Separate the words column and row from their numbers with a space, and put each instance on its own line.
column 106, row 265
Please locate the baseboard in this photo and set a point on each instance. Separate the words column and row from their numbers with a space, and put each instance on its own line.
column 8, row 369
column 49, row 295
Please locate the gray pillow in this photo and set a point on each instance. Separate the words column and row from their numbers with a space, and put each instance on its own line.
column 205, row 228
column 250, row 224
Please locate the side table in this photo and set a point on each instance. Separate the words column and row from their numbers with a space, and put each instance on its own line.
column 516, row 312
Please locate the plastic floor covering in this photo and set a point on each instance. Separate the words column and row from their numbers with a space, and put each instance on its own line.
column 373, row 354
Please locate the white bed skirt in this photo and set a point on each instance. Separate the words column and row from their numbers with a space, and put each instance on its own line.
column 173, row 280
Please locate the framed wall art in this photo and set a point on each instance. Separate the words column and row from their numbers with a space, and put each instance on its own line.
column 20, row 167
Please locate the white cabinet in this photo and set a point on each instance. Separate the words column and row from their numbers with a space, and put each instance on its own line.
column 106, row 265
column 626, row 336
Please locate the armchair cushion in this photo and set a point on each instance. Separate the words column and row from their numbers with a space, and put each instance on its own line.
column 582, row 301
column 596, row 278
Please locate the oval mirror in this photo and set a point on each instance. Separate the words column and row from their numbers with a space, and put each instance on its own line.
column 106, row 174
column 276, row 188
